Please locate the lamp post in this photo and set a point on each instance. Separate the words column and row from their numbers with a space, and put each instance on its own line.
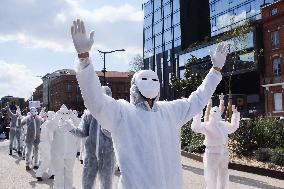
column 104, row 68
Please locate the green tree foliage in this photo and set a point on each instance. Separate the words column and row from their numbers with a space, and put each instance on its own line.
column 136, row 63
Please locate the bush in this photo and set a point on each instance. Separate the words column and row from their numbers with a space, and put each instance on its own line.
column 277, row 158
column 196, row 143
column 186, row 135
column 243, row 140
column 265, row 132
column 263, row 154
column 191, row 141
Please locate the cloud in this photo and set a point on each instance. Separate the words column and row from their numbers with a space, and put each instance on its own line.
column 17, row 80
column 41, row 25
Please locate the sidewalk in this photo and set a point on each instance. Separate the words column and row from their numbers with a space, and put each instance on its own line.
column 14, row 176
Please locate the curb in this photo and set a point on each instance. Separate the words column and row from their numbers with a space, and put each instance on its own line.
column 244, row 168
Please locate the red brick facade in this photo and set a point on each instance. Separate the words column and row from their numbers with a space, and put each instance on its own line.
column 38, row 94
column 64, row 89
column 273, row 81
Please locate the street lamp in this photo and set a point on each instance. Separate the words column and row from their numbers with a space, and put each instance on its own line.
column 104, row 68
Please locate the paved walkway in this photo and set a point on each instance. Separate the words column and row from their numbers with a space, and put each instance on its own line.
column 14, row 176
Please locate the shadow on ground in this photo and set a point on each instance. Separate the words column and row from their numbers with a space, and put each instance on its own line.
column 235, row 179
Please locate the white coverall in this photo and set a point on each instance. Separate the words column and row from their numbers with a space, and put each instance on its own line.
column 45, row 147
column 63, row 150
column 216, row 156
column 146, row 140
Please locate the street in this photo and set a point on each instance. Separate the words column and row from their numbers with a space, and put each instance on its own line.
column 14, row 176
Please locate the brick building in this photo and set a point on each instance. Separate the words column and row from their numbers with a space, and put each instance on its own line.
column 61, row 87
column 273, row 39
column 38, row 94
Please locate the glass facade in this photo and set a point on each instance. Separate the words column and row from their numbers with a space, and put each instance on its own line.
column 161, row 26
column 225, row 14
column 233, row 46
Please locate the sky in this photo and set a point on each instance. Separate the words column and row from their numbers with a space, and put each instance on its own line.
column 35, row 38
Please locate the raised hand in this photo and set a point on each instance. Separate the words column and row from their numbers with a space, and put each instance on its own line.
column 82, row 42
column 218, row 57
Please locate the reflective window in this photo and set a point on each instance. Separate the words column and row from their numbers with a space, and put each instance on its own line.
column 167, row 23
column 157, row 4
column 274, row 11
column 276, row 63
column 181, row 74
column 176, row 18
column 278, row 101
column 157, row 15
column 225, row 14
column 234, row 44
column 177, row 32
column 158, row 27
column 167, row 10
column 275, row 39
column 176, row 5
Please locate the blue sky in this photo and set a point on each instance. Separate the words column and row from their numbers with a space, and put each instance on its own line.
column 35, row 37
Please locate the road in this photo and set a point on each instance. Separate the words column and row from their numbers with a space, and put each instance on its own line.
column 14, row 176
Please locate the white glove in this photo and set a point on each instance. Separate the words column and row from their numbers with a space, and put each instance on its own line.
column 235, row 111
column 81, row 42
column 218, row 58
column 68, row 125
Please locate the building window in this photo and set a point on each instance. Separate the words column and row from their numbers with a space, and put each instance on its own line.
column 275, row 39
column 278, row 101
column 214, row 22
column 274, row 11
column 248, row 7
column 230, row 1
column 213, row 7
column 276, row 63
column 69, row 88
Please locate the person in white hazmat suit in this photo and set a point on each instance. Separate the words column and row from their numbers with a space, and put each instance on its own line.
column 63, row 149
column 145, row 131
column 45, row 147
column 32, row 139
column 100, row 156
column 23, row 136
column 216, row 156
column 15, row 129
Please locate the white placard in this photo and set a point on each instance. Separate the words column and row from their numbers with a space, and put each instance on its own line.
column 35, row 104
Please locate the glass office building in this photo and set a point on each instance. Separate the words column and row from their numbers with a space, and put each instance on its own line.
column 164, row 36
column 162, row 39
column 225, row 14
column 166, row 29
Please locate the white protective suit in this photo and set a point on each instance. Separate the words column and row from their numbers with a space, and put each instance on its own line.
column 32, row 138
column 216, row 157
column 146, row 139
column 63, row 150
column 45, row 146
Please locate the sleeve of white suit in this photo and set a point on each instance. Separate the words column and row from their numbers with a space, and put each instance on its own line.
column 197, row 126
column 83, row 128
column 104, row 108
column 235, row 123
column 183, row 110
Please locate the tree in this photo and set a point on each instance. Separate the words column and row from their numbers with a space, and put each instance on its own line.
column 136, row 63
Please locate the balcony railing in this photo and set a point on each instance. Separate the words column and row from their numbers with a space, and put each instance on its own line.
column 273, row 79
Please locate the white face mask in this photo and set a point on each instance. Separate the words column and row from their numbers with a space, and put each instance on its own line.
column 215, row 114
column 33, row 111
column 148, row 83
column 50, row 115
